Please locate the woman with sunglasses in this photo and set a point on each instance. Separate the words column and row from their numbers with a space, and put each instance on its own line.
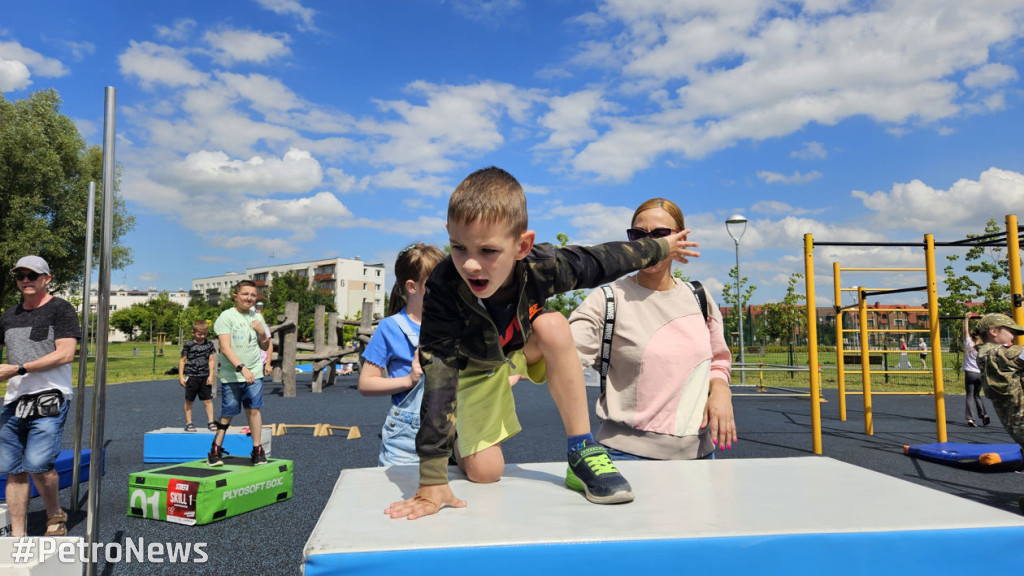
column 667, row 391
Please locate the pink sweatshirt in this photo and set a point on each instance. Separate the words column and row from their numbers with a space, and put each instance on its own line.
column 663, row 358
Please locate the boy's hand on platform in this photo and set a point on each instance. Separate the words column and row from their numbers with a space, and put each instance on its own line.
column 428, row 500
column 679, row 247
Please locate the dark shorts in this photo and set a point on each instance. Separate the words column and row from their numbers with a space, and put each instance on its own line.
column 196, row 385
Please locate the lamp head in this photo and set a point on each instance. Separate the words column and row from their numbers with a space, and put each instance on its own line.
column 736, row 220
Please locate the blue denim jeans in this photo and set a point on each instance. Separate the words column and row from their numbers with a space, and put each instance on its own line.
column 237, row 395
column 30, row 444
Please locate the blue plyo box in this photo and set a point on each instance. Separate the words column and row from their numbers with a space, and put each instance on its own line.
column 176, row 445
column 65, row 470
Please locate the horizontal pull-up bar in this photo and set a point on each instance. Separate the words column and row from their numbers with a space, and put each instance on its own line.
column 888, row 330
column 867, row 293
column 882, row 269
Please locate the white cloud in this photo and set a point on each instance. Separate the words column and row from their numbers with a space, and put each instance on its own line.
column 210, row 171
column 963, row 208
column 897, row 63
column 489, row 12
column 455, row 121
column 811, row 151
column 990, row 76
column 13, row 75
column 291, row 7
column 34, row 61
column 774, row 207
column 178, row 32
column 231, row 46
column 570, row 118
column 795, row 178
column 264, row 93
column 79, row 50
column 158, row 64
column 302, row 216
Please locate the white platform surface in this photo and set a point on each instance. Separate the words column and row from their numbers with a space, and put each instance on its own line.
column 674, row 500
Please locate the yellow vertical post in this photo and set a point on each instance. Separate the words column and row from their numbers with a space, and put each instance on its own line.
column 812, row 343
column 865, row 361
column 1013, row 258
column 936, row 342
column 840, row 365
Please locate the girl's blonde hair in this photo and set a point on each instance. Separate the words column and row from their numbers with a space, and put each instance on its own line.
column 415, row 262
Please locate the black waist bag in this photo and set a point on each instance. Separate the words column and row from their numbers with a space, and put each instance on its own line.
column 39, row 405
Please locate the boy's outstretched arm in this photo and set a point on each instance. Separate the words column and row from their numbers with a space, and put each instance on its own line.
column 428, row 500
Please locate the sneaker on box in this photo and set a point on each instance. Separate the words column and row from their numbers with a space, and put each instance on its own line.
column 592, row 472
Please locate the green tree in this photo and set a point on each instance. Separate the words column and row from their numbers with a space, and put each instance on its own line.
column 567, row 301
column 45, row 170
column 130, row 320
column 783, row 318
column 290, row 287
column 731, row 321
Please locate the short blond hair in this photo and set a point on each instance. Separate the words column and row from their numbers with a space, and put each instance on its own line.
column 665, row 204
column 491, row 195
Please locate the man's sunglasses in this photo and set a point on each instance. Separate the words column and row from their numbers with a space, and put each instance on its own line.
column 30, row 276
column 635, row 233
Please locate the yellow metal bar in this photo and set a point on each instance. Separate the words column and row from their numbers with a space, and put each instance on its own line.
column 840, row 373
column 865, row 366
column 883, row 269
column 1013, row 257
column 812, row 343
column 936, row 343
column 897, row 309
column 929, row 393
column 888, row 330
column 920, row 372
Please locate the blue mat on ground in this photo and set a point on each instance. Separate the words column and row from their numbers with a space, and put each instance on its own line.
column 64, row 465
column 976, row 456
column 307, row 368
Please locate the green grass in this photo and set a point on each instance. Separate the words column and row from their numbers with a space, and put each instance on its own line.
column 124, row 364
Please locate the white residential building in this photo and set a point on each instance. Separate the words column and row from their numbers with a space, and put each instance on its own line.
column 352, row 282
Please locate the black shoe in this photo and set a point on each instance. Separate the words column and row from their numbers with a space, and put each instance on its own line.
column 216, row 455
column 972, row 424
column 592, row 472
column 985, row 420
column 258, row 456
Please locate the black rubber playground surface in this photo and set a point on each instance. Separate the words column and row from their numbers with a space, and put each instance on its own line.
column 270, row 540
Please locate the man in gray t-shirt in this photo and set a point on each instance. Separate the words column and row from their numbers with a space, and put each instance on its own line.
column 40, row 336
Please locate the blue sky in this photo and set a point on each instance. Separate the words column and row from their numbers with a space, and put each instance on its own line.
column 273, row 131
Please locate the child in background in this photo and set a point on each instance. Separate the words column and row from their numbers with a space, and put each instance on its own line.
column 195, row 373
column 390, row 365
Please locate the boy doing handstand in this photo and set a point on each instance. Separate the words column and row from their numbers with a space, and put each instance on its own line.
column 483, row 326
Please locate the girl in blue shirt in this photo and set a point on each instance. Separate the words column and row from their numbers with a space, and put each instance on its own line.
column 389, row 361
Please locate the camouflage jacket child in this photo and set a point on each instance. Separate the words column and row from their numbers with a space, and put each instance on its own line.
column 1002, row 370
column 458, row 333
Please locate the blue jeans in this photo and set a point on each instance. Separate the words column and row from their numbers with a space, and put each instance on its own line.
column 398, row 436
column 620, row 455
column 237, row 395
column 30, row 445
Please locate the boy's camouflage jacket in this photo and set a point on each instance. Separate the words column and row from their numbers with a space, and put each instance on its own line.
column 1002, row 371
column 457, row 332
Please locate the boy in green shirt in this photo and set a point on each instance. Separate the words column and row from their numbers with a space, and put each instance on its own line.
column 242, row 333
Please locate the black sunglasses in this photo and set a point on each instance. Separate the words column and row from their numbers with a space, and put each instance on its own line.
column 31, row 276
column 635, row 233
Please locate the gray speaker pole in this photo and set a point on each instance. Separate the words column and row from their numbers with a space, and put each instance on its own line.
column 99, row 382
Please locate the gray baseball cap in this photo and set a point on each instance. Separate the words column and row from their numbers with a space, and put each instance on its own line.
column 33, row 263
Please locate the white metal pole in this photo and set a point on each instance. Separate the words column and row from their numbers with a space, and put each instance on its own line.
column 83, row 355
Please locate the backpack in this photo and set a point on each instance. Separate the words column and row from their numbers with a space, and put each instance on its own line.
column 609, row 323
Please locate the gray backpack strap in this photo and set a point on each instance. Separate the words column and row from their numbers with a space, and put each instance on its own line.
column 609, row 331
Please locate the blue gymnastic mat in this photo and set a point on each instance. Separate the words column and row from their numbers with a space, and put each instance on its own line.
column 981, row 456
column 64, row 465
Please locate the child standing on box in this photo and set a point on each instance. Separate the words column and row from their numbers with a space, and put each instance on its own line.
column 390, row 365
column 242, row 333
column 484, row 324
column 195, row 373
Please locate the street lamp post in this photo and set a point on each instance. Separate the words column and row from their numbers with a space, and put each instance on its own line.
column 740, row 223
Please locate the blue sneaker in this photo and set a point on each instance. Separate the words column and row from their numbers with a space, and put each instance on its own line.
column 592, row 472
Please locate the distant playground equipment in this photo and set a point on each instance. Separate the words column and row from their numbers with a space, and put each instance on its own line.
column 1011, row 242
column 324, row 353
